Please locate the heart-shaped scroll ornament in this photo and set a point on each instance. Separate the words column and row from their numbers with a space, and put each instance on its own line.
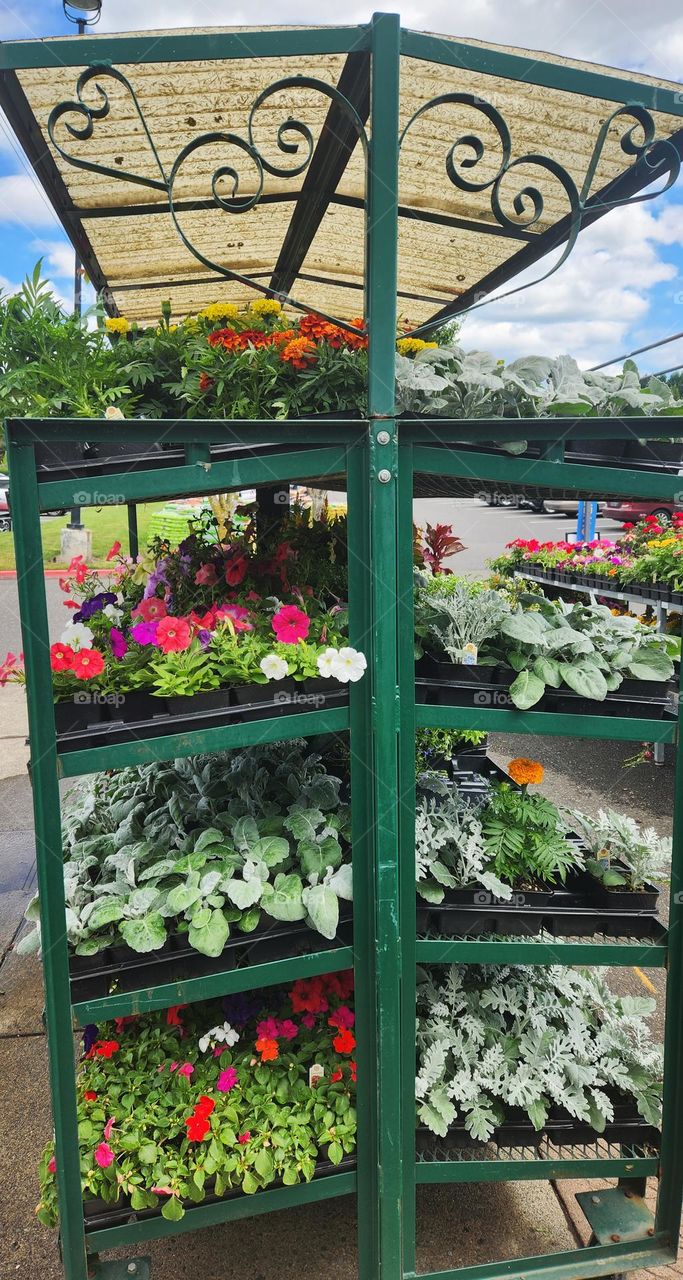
column 518, row 207
column 234, row 185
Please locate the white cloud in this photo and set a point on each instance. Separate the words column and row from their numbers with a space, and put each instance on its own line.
column 22, row 202
column 599, row 296
column 58, row 256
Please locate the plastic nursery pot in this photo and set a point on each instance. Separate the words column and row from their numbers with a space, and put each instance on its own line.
column 74, row 715
column 621, row 898
column 261, row 701
column 136, row 705
column 211, row 700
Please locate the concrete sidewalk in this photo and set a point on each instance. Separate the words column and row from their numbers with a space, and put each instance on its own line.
column 456, row 1226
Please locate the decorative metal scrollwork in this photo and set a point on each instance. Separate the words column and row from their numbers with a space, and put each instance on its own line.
column 292, row 136
column 528, row 202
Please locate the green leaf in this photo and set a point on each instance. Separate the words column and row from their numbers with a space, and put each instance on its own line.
column 105, row 912
column 209, row 936
column 172, row 1209
column 335, row 1152
column 245, row 833
column 322, row 905
column 263, row 1165
column 147, row 933
column 244, row 893
column 271, row 849
column 584, row 677
column 526, row 690
column 208, row 837
column 282, row 900
column 249, row 1184
column 529, row 628
column 182, row 897
column 547, row 670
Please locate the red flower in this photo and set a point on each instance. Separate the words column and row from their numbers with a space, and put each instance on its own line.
column 105, row 1048
column 345, row 1042
column 113, row 550
column 87, row 664
column 235, row 571
column 173, row 635
column 336, row 1075
column 52, row 1165
column 342, row 1017
column 226, row 338
column 290, row 624
column 172, row 1019
column 90, row 1095
column 268, row 1049
column 205, row 382
column 352, row 1065
column 256, row 337
column 204, row 1107
column 197, row 1128
column 61, row 657
column 150, row 610
column 244, row 1137
column 308, row 997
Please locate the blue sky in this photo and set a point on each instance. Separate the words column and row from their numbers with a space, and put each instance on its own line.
column 623, row 285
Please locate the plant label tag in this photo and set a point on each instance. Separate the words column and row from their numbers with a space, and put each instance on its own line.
column 470, row 653
column 315, row 1073
column 602, row 856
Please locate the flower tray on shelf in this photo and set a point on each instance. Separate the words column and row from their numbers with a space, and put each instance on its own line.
column 99, row 1215
column 92, row 977
column 628, row 1128
column 122, row 717
column 489, row 687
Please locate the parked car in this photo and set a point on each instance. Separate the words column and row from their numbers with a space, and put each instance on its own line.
column 5, row 517
column 627, row 511
column 564, row 506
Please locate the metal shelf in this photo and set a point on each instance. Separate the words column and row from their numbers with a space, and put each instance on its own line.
column 552, row 723
column 208, row 987
column 613, row 952
column 490, row 1163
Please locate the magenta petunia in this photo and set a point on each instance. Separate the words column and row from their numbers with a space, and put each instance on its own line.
column 287, row 1029
column 186, row 1069
column 290, row 624
column 227, row 1080
column 144, row 632
column 267, row 1029
column 117, row 641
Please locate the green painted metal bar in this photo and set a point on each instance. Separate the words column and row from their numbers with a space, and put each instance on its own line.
column 549, row 75
column 483, row 430
column 460, row 1171
column 406, row 801
column 197, row 454
column 668, row 1215
column 527, row 951
column 211, row 1215
column 133, row 539
column 573, row 1264
column 46, row 812
column 574, row 475
column 381, row 277
column 219, row 432
column 362, row 820
column 499, row 719
column 210, row 986
column 194, row 479
column 298, row 724
column 208, row 46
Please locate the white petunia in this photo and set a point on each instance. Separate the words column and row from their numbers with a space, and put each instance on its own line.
column 349, row 665
column 113, row 614
column 326, row 662
column 274, row 667
column 77, row 636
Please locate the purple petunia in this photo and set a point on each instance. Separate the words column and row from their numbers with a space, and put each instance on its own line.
column 117, row 641
column 95, row 605
column 90, row 1034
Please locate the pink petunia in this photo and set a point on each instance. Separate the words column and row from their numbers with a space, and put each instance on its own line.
column 308, row 1020
column 343, row 1017
column 227, row 1080
column 108, row 1128
column 290, row 624
column 117, row 641
column 104, row 1156
column 287, row 1029
column 144, row 632
column 150, row 610
column 206, row 576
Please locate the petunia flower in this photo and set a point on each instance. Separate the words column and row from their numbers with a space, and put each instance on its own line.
column 113, row 613
column 206, row 575
column 349, row 665
column 172, row 1018
column 325, row 662
column 235, row 571
column 77, row 636
column 173, row 635
column 104, row 1156
column 113, row 550
column 117, row 641
column 290, row 624
column 61, row 657
column 88, row 663
column 144, row 632
column 273, row 666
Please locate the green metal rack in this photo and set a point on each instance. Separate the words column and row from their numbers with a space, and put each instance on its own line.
column 380, row 457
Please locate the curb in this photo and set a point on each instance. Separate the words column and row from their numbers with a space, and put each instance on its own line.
column 6, row 574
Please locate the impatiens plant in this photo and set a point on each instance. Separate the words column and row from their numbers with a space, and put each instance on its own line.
column 203, row 846
column 492, row 1037
column 179, row 1106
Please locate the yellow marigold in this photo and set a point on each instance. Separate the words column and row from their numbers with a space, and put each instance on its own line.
column 191, row 323
column 525, row 771
column 220, row 311
column 266, row 307
column 117, row 324
column 411, row 346
column 171, row 328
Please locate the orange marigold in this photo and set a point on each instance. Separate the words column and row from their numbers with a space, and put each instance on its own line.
column 268, row 1049
column 226, row 338
column 525, row 771
column 311, row 326
column 357, row 342
column 300, row 352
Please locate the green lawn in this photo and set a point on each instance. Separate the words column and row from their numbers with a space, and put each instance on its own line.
column 107, row 523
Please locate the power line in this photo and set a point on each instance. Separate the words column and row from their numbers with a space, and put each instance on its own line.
column 674, row 369
column 615, row 360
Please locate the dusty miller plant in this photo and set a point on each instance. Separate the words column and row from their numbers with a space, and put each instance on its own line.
column 643, row 855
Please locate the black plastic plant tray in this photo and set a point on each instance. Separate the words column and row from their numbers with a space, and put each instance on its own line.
column 92, row 977
column 630, row 1130
column 638, row 703
column 166, row 716
column 99, row 1215
column 559, row 918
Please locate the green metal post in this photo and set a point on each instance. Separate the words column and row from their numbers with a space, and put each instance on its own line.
column 362, row 802
column 133, row 542
column 381, row 242
column 46, row 810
